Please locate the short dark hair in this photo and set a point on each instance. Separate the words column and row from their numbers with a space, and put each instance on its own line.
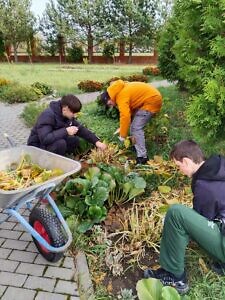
column 104, row 97
column 189, row 149
column 72, row 102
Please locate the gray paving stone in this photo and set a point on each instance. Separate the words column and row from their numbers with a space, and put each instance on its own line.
column 68, row 262
column 19, row 227
column 66, row 287
column 41, row 261
column 2, row 241
column 44, row 284
column 26, row 237
column 61, row 273
column 18, row 294
column 2, row 289
column 50, row 296
column 31, row 269
column 7, row 278
column 22, row 256
column 32, row 248
column 76, row 298
column 7, row 225
column 10, row 234
column 8, row 265
column 15, row 244
column 4, row 253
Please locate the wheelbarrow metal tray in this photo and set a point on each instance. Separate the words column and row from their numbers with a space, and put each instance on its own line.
column 44, row 159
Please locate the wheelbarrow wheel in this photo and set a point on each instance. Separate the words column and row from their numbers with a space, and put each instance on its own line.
column 49, row 227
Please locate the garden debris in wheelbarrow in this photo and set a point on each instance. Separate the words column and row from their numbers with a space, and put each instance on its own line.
column 24, row 174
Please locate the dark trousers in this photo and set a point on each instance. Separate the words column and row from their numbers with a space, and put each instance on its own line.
column 63, row 146
column 182, row 224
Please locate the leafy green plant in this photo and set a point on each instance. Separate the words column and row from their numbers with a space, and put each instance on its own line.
column 15, row 93
column 31, row 112
column 152, row 289
column 85, row 197
column 127, row 186
column 44, row 88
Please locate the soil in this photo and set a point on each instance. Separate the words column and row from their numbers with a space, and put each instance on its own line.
column 131, row 276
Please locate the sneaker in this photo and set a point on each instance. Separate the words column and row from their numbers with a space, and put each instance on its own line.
column 141, row 160
column 167, row 278
column 218, row 267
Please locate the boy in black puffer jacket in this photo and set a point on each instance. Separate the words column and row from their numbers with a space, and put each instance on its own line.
column 56, row 129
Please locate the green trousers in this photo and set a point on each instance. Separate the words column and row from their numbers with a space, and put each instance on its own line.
column 182, row 224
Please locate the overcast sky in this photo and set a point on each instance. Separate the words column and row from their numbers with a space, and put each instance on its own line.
column 38, row 6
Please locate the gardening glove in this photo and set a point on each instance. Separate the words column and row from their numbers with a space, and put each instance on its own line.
column 121, row 139
column 117, row 131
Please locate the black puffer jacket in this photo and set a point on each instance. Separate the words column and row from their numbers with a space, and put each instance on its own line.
column 51, row 126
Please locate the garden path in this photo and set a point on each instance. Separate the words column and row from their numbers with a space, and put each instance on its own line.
column 24, row 274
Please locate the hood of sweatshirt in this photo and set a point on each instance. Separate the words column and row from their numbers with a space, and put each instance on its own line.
column 114, row 89
column 213, row 169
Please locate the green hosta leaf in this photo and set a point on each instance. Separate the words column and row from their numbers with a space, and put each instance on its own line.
column 72, row 222
column 94, row 181
column 70, row 202
column 170, row 293
column 139, row 183
column 85, row 226
column 92, row 172
column 95, row 212
column 149, row 289
column 82, row 185
column 134, row 192
column 65, row 211
column 106, row 177
column 100, row 194
column 127, row 187
column 89, row 200
column 164, row 189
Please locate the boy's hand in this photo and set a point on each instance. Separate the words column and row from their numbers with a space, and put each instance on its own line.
column 100, row 145
column 72, row 130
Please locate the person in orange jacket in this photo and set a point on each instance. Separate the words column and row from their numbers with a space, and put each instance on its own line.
column 137, row 103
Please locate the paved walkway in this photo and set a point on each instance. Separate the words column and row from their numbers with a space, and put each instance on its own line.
column 24, row 274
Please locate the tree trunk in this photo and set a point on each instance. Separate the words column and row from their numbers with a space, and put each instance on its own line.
column 90, row 48
column 130, row 52
column 15, row 53
column 122, row 51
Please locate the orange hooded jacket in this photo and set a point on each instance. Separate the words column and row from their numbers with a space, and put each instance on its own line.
column 131, row 96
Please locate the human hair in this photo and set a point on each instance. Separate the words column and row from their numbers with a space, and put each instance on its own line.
column 72, row 102
column 189, row 149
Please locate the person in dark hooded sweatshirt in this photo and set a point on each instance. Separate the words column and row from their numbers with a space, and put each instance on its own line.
column 56, row 129
column 204, row 223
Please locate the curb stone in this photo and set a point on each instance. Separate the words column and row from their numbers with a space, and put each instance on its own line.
column 84, row 282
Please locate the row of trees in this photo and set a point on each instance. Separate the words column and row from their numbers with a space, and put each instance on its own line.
column 191, row 50
column 84, row 22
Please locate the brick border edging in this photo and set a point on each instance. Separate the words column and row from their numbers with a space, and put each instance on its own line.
column 84, row 283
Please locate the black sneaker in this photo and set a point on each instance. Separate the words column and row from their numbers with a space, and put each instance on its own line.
column 218, row 267
column 141, row 160
column 167, row 278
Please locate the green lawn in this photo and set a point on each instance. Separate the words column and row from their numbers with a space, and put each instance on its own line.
column 64, row 78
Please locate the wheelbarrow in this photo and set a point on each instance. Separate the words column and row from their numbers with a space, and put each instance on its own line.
column 48, row 228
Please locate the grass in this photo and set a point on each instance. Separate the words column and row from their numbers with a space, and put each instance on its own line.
column 64, row 78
